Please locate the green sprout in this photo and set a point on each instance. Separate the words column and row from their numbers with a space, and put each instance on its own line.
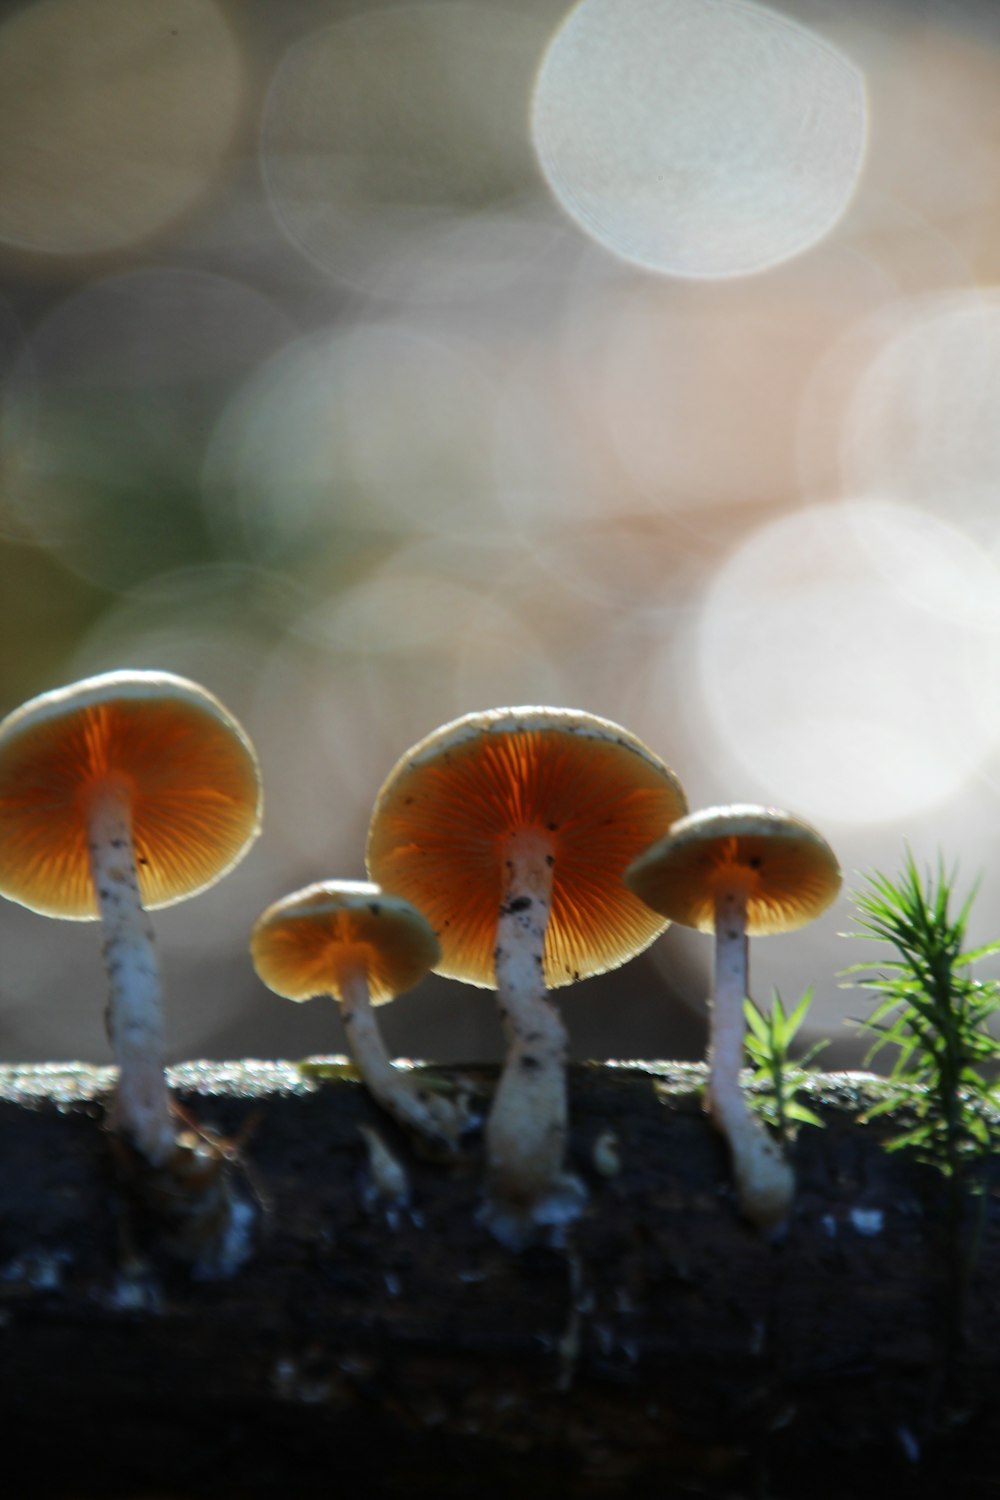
column 768, row 1043
column 936, row 1014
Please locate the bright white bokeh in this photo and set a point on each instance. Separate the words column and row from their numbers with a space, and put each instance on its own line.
column 703, row 138
column 831, row 674
column 930, row 563
column 921, row 423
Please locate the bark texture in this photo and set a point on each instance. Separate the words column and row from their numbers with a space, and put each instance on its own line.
column 665, row 1348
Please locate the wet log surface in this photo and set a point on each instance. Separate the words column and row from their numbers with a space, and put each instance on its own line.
column 664, row 1348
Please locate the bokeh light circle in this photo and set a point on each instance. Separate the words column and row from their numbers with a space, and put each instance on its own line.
column 702, row 138
column 115, row 119
column 371, row 427
column 390, row 127
column 921, row 423
column 836, row 693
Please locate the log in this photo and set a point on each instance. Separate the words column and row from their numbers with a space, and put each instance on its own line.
column 663, row 1346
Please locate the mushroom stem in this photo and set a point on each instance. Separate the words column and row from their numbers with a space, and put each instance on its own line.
column 439, row 1121
column 527, row 1125
column 134, row 1015
column 764, row 1179
column 728, row 1024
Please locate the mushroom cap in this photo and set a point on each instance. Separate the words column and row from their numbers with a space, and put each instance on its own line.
column 450, row 804
column 787, row 870
column 306, row 943
column 192, row 771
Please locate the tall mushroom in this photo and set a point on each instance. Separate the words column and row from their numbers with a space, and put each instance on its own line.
column 510, row 829
column 350, row 940
column 122, row 793
column 739, row 871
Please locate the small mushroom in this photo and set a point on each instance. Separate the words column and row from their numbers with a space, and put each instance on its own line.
column 349, row 939
column 510, row 830
column 118, row 794
column 739, row 871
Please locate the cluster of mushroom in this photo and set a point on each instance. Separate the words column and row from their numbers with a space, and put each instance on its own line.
column 518, row 850
column 523, row 849
column 498, row 844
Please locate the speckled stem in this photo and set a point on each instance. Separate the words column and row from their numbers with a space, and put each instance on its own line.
column 134, row 1015
column 439, row 1121
column 763, row 1178
column 728, row 1025
column 527, row 1125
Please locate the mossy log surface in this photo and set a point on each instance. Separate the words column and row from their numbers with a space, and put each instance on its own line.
column 665, row 1348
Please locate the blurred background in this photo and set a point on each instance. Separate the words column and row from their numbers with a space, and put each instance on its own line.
column 373, row 365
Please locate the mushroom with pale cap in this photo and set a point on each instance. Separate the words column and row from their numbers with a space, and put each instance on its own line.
column 121, row 793
column 347, row 938
column 511, row 829
column 739, row 871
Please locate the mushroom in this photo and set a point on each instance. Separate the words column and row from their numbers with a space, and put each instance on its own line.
column 739, row 871
column 510, row 829
column 119, row 794
column 349, row 939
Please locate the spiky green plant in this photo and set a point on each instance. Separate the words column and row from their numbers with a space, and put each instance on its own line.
column 936, row 1014
column 768, row 1044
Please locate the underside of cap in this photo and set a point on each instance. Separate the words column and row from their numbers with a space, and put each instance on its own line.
column 783, row 867
column 187, row 765
column 596, row 792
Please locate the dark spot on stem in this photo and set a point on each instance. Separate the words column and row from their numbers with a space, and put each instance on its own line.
column 519, row 903
column 527, row 1061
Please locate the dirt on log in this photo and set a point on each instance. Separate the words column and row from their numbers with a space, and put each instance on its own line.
column 664, row 1348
